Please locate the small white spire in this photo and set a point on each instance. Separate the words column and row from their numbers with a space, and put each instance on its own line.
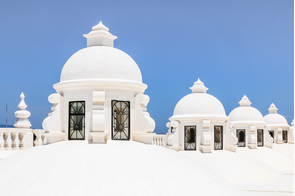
column 22, row 105
column 22, row 114
column 292, row 123
column 273, row 109
column 199, row 87
column 100, row 36
column 245, row 102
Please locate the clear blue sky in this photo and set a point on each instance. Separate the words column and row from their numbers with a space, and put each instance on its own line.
column 236, row 48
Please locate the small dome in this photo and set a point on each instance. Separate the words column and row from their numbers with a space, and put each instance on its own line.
column 245, row 112
column 199, row 104
column 273, row 118
column 101, row 62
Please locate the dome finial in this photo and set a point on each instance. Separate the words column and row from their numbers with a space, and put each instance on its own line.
column 273, row 109
column 245, row 102
column 100, row 36
column 22, row 114
column 199, row 87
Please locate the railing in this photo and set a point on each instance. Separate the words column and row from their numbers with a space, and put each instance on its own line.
column 159, row 140
column 15, row 138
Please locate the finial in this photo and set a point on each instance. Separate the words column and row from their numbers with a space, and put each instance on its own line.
column 245, row 102
column 292, row 123
column 22, row 105
column 100, row 26
column 100, row 36
column 22, row 114
column 273, row 109
column 199, row 87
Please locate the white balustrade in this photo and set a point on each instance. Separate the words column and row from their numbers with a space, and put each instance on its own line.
column 159, row 140
column 14, row 138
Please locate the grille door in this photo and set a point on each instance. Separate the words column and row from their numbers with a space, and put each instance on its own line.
column 259, row 137
column 241, row 137
column 77, row 120
column 218, row 137
column 120, row 120
column 190, row 137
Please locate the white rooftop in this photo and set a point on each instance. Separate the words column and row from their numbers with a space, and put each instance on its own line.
column 131, row 168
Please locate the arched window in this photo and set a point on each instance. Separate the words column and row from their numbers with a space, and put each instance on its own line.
column 241, row 137
column 259, row 137
column 77, row 120
column 218, row 137
column 190, row 137
column 120, row 120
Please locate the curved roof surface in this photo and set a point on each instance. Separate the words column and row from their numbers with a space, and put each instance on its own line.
column 199, row 104
column 102, row 63
column 117, row 168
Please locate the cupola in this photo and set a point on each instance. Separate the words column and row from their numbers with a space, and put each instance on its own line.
column 273, row 109
column 245, row 102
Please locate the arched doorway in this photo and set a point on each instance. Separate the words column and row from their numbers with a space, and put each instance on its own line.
column 218, row 137
column 76, row 120
column 259, row 137
column 190, row 137
column 120, row 120
column 241, row 137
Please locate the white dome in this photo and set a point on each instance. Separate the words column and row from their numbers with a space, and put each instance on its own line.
column 199, row 104
column 275, row 119
column 101, row 63
column 245, row 112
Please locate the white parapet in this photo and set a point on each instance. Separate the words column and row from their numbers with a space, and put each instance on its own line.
column 16, row 138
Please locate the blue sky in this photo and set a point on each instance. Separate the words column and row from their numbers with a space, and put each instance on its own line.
column 236, row 48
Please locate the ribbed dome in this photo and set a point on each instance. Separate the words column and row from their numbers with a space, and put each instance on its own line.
column 101, row 62
column 245, row 112
column 199, row 104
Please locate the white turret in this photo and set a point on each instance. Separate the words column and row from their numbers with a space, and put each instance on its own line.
column 22, row 114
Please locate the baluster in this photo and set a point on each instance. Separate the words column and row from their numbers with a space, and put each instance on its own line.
column 5, row 137
column 21, row 142
column 43, row 139
column 13, row 136
column 37, row 140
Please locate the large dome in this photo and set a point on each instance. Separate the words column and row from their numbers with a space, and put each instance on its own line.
column 246, row 113
column 101, row 62
column 199, row 104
